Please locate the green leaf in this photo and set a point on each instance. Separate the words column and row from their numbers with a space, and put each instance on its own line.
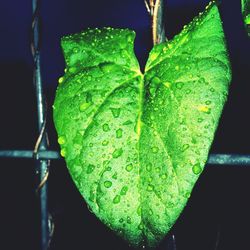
column 136, row 143
column 246, row 14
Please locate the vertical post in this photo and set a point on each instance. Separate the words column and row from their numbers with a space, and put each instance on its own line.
column 41, row 165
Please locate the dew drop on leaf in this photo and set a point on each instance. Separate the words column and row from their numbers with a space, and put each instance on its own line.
column 179, row 85
column 184, row 147
column 84, row 106
column 139, row 211
column 119, row 133
column 60, row 80
column 105, row 127
column 63, row 152
column 150, row 187
column 115, row 112
column 164, row 176
column 117, row 199
column 107, row 184
column 128, row 122
column 149, row 167
column 117, row 153
column 124, row 190
column 155, row 150
column 141, row 228
column 129, row 167
column 114, row 176
column 197, row 168
column 105, row 143
column 90, row 168
column 61, row 140
column 128, row 220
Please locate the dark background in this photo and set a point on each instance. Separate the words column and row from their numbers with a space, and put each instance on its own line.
column 219, row 202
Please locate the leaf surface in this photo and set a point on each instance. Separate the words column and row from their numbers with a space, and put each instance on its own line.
column 136, row 143
column 246, row 14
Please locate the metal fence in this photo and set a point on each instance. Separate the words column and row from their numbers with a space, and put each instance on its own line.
column 42, row 155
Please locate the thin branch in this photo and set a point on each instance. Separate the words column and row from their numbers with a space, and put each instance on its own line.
column 158, row 29
column 147, row 6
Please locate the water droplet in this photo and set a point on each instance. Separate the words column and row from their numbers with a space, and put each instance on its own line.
column 90, row 168
column 167, row 84
column 200, row 120
column 63, row 152
column 158, row 169
column 128, row 220
column 127, row 122
column 204, row 109
column 115, row 112
column 140, row 226
column 84, row 106
column 91, row 145
column 60, row 80
column 117, row 199
column 179, row 85
column 119, row 133
column 88, row 97
column 150, row 187
column 107, row 184
column 197, row 168
column 155, row 80
column 177, row 67
column 139, row 211
column 105, row 143
column 72, row 70
column 150, row 179
column 61, row 140
column 92, row 197
column 105, row 127
column 212, row 89
column 208, row 102
column 164, row 176
column 121, row 220
column 117, row 153
column 124, row 190
column 149, row 167
column 155, row 149
column 184, row 147
column 114, row 176
column 129, row 167
column 187, row 195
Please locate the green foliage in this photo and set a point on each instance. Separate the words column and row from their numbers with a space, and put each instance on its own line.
column 246, row 14
column 136, row 143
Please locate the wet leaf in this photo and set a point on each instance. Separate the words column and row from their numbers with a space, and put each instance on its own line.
column 246, row 14
column 136, row 143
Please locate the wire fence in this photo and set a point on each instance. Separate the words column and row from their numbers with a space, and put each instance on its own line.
column 42, row 155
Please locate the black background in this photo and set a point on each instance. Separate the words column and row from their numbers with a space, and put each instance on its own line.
column 219, row 202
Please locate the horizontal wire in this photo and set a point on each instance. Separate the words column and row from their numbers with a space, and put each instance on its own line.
column 214, row 159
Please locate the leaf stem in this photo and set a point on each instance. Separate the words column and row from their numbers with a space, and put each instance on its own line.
column 155, row 8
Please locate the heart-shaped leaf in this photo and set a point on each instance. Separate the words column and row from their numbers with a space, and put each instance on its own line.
column 136, row 143
column 246, row 14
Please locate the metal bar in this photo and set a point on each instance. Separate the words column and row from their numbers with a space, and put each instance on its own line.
column 28, row 154
column 41, row 165
column 214, row 159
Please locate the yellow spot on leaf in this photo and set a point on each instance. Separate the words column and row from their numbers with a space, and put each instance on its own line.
column 204, row 109
column 167, row 84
